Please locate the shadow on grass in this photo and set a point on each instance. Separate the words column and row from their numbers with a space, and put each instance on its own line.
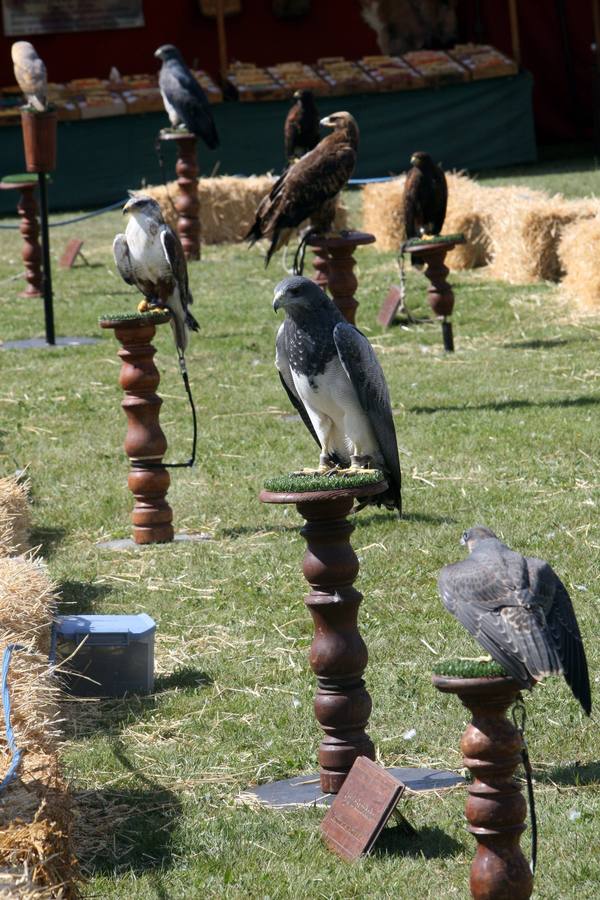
column 128, row 830
column 426, row 518
column 186, row 677
column 575, row 774
column 426, row 843
column 80, row 596
column 47, row 539
column 244, row 530
column 567, row 403
column 540, row 344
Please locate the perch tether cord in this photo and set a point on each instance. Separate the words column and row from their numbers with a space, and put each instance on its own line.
column 519, row 717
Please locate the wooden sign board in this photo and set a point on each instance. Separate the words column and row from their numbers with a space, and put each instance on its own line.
column 22, row 17
column 360, row 810
column 391, row 304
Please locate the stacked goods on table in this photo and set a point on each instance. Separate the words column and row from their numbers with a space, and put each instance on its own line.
column 250, row 82
column 334, row 75
column 343, row 76
column 483, row 61
column 296, row 76
column 391, row 73
column 437, row 67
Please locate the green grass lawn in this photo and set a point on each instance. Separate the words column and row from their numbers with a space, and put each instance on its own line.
column 503, row 432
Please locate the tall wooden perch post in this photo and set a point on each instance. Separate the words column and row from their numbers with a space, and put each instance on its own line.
column 334, row 263
column 30, row 231
column 338, row 654
column 187, row 203
column 439, row 293
column 496, row 808
column 145, row 442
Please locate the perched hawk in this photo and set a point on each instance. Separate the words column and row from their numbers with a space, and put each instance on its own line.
column 425, row 199
column 333, row 378
column 309, row 188
column 150, row 256
column 30, row 73
column 519, row 611
column 301, row 129
column 185, row 102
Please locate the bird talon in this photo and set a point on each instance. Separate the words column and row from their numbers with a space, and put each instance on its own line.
column 143, row 306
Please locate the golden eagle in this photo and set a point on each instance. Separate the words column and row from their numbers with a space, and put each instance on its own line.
column 308, row 189
column 425, row 199
column 301, row 129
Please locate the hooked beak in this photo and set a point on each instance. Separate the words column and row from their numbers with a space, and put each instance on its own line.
column 278, row 301
column 463, row 540
column 297, row 95
column 127, row 208
column 157, row 54
column 327, row 122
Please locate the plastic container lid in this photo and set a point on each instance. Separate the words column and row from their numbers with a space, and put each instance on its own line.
column 136, row 626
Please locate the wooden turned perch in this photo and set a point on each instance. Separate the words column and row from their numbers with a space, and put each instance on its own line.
column 334, row 263
column 439, row 293
column 187, row 203
column 145, row 441
column 496, row 808
column 338, row 654
column 30, row 230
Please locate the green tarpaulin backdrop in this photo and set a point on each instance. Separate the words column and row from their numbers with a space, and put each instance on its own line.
column 473, row 126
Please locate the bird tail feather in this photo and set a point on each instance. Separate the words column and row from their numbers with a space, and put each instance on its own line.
column 191, row 322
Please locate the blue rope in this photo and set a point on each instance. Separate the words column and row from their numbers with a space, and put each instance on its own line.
column 90, row 215
column 10, row 738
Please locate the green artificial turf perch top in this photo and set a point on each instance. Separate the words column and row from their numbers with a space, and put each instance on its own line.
column 434, row 239
column 298, row 483
column 157, row 317
column 469, row 668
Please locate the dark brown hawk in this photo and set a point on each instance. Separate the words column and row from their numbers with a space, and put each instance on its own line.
column 309, row 188
column 519, row 610
column 301, row 129
column 425, row 197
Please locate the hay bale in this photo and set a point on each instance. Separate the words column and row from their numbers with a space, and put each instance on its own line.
column 27, row 602
column 227, row 205
column 525, row 231
column 467, row 214
column 14, row 516
column 578, row 253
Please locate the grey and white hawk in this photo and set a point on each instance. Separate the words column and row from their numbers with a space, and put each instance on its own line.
column 519, row 610
column 150, row 256
column 333, row 378
column 30, row 74
column 185, row 101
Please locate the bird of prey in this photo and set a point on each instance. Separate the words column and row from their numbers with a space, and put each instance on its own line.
column 425, row 199
column 519, row 610
column 185, row 101
column 309, row 188
column 30, row 73
column 333, row 378
column 301, row 129
column 150, row 256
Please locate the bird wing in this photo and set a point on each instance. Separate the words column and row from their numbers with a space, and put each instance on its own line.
column 563, row 626
column 490, row 606
column 318, row 176
column 123, row 259
column 364, row 371
column 411, row 203
column 285, row 373
column 190, row 101
column 176, row 258
column 440, row 192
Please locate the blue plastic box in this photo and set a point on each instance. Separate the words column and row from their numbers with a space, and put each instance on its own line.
column 111, row 656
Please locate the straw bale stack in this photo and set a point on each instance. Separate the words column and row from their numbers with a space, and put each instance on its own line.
column 227, row 205
column 525, row 231
column 35, row 813
column 14, row 516
column 467, row 214
column 579, row 251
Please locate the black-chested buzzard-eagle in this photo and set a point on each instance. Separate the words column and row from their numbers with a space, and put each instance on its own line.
column 333, row 378
column 185, row 101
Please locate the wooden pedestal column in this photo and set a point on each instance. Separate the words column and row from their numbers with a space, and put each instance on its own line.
column 334, row 264
column 338, row 655
column 187, row 203
column 439, row 293
column 32, row 252
column 145, row 441
column 496, row 808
